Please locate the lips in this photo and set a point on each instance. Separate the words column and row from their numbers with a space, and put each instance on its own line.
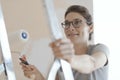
column 73, row 34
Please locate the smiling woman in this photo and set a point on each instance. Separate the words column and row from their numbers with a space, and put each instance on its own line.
column 81, row 52
column 88, row 61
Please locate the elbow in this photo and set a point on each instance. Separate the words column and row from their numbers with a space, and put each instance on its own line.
column 87, row 69
column 90, row 66
column 86, row 65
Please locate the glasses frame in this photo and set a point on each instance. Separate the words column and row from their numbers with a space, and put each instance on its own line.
column 73, row 24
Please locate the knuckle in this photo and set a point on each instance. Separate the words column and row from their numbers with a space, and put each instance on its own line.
column 71, row 45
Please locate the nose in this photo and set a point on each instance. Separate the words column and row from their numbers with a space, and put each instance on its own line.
column 71, row 27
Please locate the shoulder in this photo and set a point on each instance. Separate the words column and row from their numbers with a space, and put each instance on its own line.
column 100, row 48
column 101, row 53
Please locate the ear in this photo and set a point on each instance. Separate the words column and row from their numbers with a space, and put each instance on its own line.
column 91, row 28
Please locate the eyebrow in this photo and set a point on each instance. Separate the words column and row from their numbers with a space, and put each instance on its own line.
column 72, row 20
column 77, row 19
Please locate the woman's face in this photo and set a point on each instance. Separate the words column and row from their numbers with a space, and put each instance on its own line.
column 76, row 28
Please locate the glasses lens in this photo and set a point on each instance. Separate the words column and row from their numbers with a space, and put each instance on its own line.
column 77, row 23
column 66, row 25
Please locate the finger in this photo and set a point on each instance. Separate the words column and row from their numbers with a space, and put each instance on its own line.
column 65, row 41
column 68, row 58
column 56, row 49
column 63, row 47
column 29, row 67
column 66, row 46
column 32, row 77
column 26, row 67
column 67, row 52
column 22, row 64
column 27, row 74
column 53, row 44
column 60, row 54
column 62, row 42
column 59, row 41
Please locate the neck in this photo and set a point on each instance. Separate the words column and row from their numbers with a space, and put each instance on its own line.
column 81, row 48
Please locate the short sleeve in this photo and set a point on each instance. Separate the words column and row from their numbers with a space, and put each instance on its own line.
column 102, row 48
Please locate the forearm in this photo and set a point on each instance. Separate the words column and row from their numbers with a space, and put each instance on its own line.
column 83, row 63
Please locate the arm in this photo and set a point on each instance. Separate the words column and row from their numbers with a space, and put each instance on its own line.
column 87, row 64
column 82, row 63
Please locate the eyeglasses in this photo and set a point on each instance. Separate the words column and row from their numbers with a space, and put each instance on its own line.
column 75, row 24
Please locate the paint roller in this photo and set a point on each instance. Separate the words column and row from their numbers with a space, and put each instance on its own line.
column 18, row 40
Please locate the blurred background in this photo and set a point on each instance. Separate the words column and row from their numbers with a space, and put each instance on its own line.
column 31, row 16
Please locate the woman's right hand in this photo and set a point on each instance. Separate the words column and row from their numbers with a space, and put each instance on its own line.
column 63, row 48
column 31, row 72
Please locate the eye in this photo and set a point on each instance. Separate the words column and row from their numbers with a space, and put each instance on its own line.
column 67, row 23
column 77, row 23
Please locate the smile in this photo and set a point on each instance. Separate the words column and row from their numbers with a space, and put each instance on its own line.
column 73, row 34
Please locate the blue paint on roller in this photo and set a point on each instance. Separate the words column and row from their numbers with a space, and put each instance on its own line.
column 24, row 35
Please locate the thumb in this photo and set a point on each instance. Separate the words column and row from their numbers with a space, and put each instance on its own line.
column 68, row 58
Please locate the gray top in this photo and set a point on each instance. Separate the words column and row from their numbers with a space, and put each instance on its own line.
column 99, row 74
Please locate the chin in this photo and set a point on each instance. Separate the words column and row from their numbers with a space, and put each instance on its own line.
column 74, row 40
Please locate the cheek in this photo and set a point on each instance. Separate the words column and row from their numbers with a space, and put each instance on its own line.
column 83, row 32
column 66, row 32
column 86, row 33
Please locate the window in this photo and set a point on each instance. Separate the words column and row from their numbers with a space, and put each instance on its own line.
column 107, row 31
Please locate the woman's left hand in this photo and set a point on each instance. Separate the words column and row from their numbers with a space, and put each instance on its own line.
column 31, row 72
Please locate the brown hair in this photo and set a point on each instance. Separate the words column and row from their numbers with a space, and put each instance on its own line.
column 81, row 10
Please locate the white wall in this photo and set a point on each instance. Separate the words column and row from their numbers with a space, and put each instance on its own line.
column 107, row 30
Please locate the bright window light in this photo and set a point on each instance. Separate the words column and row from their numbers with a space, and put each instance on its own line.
column 107, row 31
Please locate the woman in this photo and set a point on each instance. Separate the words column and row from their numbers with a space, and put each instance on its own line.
column 88, row 61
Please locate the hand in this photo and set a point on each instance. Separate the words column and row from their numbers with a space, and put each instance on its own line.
column 62, row 48
column 31, row 72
